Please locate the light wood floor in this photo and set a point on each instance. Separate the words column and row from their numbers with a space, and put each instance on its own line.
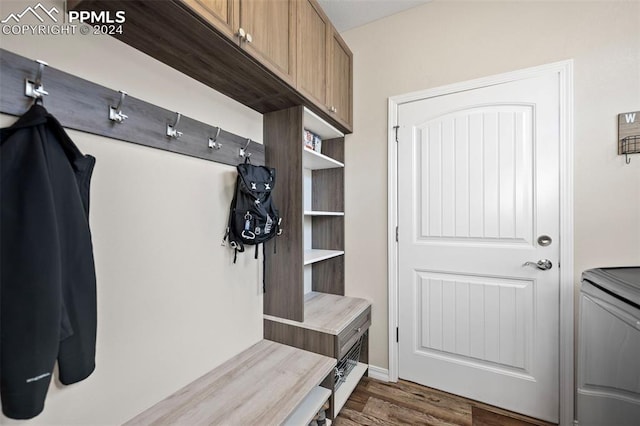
column 406, row 403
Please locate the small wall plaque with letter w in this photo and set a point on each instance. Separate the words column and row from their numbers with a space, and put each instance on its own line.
column 629, row 133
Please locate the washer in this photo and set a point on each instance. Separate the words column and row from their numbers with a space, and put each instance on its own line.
column 608, row 382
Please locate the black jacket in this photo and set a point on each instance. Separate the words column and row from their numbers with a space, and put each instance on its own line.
column 47, row 274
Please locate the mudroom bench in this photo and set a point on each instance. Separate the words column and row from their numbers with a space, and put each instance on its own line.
column 269, row 383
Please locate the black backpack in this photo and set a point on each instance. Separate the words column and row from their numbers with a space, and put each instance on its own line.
column 253, row 219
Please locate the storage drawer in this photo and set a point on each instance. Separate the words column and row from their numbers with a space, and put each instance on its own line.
column 352, row 332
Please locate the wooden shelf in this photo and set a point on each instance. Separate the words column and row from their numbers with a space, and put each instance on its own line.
column 315, row 161
column 345, row 389
column 318, row 213
column 317, row 125
column 308, row 409
column 317, row 255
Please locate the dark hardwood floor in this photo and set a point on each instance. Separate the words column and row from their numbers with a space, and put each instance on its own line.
column 405, row 403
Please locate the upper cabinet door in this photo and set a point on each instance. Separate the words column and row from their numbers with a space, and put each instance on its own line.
column 268, row 29
column 294, row 40
column 222, row 14
column 340, row 82
column 313, row 49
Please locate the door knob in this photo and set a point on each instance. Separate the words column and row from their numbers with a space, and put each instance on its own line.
column 543, row 264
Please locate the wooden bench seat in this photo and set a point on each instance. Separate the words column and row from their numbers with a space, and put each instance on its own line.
column 264, row 384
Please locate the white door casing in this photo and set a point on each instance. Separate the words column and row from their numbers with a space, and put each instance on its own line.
column 478, row 181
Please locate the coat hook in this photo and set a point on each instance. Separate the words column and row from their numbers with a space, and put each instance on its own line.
column 115, row 113
column 212, row 141
column 172, row 131
column 243, row 151
column 35, row 89
column 629, row 145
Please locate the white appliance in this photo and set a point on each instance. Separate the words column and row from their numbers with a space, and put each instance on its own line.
column 608, row 383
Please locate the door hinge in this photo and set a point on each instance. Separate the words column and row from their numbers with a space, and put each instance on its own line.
column 397, row 334
column 396, row 234
column 396, row 128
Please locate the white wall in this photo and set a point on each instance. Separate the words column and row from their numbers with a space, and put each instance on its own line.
column 447, row 42
column 171, row 304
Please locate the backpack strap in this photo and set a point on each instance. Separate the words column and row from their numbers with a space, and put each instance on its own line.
column 236, row 245
column 264, row 268
column 231, row 208
column 278, row 231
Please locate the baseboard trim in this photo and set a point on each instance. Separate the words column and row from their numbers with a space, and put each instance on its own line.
column 378, row 373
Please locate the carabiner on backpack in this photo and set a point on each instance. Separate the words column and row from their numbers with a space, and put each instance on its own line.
column 248, row 235
column 246, row 232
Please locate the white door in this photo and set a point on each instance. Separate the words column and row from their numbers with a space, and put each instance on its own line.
column 478, row 185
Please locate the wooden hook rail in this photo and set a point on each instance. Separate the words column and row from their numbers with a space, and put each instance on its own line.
column 82, row 105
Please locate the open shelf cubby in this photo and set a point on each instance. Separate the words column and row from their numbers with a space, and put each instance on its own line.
column 310, row 196
column 305, row 304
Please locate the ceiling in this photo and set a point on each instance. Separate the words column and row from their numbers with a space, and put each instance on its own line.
column 348, row 14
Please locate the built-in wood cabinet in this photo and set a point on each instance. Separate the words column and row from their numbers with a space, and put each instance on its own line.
column 222, row 14
column 267, row 54
column 265, row 29
column 305, row 304
column 284, row 59
column 340, row 81
column 313, row 51
column 269, row 29
column 324, row 63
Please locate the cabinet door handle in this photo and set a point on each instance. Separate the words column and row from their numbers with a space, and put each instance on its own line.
column 248, row 38
column 242, row 34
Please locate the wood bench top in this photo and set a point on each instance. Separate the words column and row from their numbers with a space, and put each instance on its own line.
column 327, row 313
column 262, row 385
